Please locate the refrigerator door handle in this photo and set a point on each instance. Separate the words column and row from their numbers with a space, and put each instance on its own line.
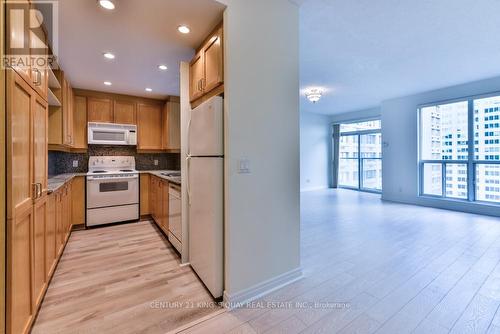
column 188, row 136
column 188, row 189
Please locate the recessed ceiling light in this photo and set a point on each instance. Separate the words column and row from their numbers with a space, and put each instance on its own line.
column 163, row 67
column 107, row 4
column 107, row 83
column 149, row 90
column 108, row 55
column 184, row 29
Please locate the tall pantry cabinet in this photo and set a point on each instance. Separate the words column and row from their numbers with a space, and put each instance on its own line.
column 27, row 114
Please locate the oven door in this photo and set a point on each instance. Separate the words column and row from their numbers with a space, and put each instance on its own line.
column 113, row 191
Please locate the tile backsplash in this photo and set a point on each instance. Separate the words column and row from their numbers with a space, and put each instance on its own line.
column 62, row 162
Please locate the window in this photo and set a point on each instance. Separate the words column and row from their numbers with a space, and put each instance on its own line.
column 360, row 156
column 451, row 165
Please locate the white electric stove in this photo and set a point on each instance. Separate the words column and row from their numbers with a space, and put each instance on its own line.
column 112, row 190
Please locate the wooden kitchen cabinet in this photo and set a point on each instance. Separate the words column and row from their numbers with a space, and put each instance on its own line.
column 100, row 110
column 26, row 201
column 158, row 200
column 50, row 236
column 196, row 77
column 125, row 112
column 207, row 67
column 80, row 122
column 149, row 127
column 61, row 117
column 39, row 226
column 145, row 186
column 172, row 126
column 78, row 201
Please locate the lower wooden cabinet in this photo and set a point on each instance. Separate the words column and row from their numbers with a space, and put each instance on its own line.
column 37, row 238
column 39, row 224
column 19, row 274
column 158, row 202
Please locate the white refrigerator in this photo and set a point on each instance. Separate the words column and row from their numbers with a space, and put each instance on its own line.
column 206, row 193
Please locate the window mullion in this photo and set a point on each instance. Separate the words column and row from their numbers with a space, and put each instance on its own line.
column 471, row 180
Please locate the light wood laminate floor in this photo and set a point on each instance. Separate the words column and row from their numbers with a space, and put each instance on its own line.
column 390, row 268
column 121, row 279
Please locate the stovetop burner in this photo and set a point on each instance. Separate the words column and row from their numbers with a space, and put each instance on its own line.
column 99, row 171
column 126, row 170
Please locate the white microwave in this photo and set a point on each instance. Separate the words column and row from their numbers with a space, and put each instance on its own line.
column 112, row 134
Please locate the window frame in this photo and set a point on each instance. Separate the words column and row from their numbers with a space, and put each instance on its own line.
column 470, row 162
column 360, row 160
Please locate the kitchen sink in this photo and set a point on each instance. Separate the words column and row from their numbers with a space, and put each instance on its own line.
column 172, row 174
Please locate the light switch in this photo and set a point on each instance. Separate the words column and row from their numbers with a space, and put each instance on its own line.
column 75, row 163
column 156, row 162
column 244, row 166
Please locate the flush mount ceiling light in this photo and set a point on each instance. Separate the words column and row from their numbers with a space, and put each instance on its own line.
column 108, row 55
column 149, row 90
column 314, row 94
column 107, row 83
column 163, row 67
column 107, row 4
column 183, row 29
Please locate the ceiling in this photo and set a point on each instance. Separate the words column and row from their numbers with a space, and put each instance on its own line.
column 142, row 34
column 363, row 51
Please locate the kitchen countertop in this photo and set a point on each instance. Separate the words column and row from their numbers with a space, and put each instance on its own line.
column 57, row 181
column 158, row 173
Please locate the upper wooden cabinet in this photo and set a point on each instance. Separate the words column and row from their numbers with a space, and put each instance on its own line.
column 207, row 67
column 149, row 126
column 80, row 122
column 100, row 110
column 196, row 77
column 125, row 112
column 171, row 126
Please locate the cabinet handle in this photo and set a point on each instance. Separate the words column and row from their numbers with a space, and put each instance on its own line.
column 40, row 190
column 203, row 83
column 38, row 77
column 34, row 190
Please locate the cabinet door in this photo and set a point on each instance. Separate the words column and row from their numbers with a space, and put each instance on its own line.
column 19, row 36
column 39, row 276
column 40, row 74
column 212, row 61
column 152, row 196
column 19, row 145
column 40, row 144
column 149, row 127
column 100, row 110
column 159, row 203
column 145, row 181
column 78, row 200
column 125, row 112
column 196, row 76
column 19, row 302
column 172, row 126
column 80, row 122
column 50, row 236
column 60, row 216
column 164, row 206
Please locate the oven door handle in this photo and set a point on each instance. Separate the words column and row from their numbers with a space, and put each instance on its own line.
column 114, row 179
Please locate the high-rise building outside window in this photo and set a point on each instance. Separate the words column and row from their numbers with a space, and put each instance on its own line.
column 360, row 156
column 460, row 150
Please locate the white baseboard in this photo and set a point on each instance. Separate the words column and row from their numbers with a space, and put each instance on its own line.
column 245, row 296
column 312, row 189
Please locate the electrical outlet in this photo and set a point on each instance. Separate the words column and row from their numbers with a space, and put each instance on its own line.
column 75, row 163
column 156, row 162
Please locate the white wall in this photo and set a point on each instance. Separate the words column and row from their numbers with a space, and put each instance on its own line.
column 400, row 157
column 262, row 221
column 315, row 151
